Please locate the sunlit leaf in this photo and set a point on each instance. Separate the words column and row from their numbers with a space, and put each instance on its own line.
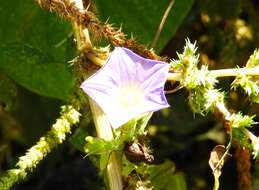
column 39, row 51
column 29, row 68
column 102, row 148
column 37, row 27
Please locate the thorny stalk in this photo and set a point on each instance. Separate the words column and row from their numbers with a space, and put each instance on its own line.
column 87, row 19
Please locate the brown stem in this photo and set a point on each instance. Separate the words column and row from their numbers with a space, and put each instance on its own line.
column 243, row 168
column 162, row 23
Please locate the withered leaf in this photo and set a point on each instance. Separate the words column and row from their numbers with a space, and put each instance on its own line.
column 218, row 156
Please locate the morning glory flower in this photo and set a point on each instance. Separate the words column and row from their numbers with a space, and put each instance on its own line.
column 128, row 86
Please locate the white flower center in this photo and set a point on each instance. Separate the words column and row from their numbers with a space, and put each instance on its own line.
column 130, row 96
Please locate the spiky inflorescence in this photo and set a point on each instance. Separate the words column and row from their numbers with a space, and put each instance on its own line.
column 200, row 82
column 87, row 19
column 203, row 97
column 57, row 134
column 249, row 84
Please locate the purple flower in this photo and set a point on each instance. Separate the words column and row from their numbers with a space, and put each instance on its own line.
column 128, row 86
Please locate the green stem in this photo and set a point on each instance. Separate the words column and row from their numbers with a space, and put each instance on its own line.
column 220, row 73
column 104, row 131
column 216, row 183
column 102, row 124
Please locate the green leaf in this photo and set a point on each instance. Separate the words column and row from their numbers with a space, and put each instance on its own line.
column 154, row 170
column 142, row 123
column 8, row 92
column 134, row 128
column 39, row 51
column 128, row 167
column 29, row 68
column 128, row 131
column 163, row 177
column 142, row 17
column 37, row 27
column 98, row 146
column 78, row 138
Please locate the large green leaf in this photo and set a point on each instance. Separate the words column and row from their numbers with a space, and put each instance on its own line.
column 35, row 32
column 25, row 22
column 8, row 92
column 142, row 17
column 29, row 68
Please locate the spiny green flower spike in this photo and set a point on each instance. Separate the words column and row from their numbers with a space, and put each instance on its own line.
column 203, row 97
column 213, row 98
column 10, row 177
column 201, row 79
column 253, row 60
column 57, row 134
column 237, row 120
column 248, row 83
column 200, row 82
column 188, row 59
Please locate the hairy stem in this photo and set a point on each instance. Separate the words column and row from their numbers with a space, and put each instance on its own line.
column 220, row 73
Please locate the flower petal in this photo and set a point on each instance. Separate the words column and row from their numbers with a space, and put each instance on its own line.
column 128, row 86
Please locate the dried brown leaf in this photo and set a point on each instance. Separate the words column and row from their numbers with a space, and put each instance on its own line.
column 218, row 156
